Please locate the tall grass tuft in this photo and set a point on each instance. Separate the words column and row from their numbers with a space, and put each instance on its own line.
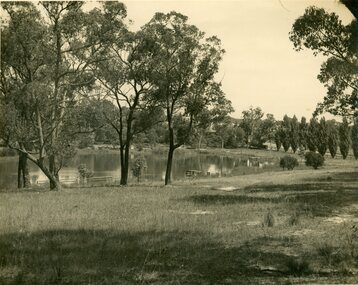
column 269, row 220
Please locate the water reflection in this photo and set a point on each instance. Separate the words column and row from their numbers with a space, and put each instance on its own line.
column 108, row 164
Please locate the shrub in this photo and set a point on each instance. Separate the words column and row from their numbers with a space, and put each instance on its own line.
column 314, row 159
column 138, row 166
column 288, row 162
column 84, row 173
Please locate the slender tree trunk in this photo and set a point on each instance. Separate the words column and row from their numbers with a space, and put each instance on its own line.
column 168, row 173
column 23, row 174
column 121, row 150
column 124, row 172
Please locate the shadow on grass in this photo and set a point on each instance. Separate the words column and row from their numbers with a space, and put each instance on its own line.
column 227, row 199
column 105, row 257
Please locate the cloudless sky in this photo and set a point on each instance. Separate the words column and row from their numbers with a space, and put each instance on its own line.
column 260, row 67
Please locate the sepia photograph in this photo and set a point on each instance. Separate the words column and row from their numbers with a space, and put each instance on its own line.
column 179, row 142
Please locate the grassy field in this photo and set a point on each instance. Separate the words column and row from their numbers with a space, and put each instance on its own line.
column 283, row 227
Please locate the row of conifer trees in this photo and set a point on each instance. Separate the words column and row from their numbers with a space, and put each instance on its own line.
column 317, row 135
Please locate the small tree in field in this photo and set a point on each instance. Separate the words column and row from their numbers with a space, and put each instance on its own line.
column 344, row 139
column 138, row 166
column 288, row 162
column 314, row 159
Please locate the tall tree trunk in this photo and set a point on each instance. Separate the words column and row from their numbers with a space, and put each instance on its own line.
column 23, row 174
column 168, row 173
column 122, row 181
column 124, row 171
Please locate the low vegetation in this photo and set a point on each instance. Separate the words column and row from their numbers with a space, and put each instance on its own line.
column 314, row 159
column 288, row 162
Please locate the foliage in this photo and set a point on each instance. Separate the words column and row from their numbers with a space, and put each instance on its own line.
column 314, row 159
column 303, row 133
column 286, row 133
column 313, row 134
column 294, row 134
column 251, row 119
column 344, row 138
column 264, row 131
column 354, row 137
column 322, row 138
column 184, row 66
column 139, row 165
column 332, row 133
column 288, row 162
column 84, row 173
column 324, row 33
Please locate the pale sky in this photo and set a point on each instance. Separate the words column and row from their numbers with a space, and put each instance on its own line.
column 260, row 67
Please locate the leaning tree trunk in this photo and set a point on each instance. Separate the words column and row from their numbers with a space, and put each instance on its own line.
column 23, row 175
column 54, row 181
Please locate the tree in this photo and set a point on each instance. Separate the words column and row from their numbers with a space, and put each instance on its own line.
column 303, row 133
column 332, row 138
column 186, row 63
column 322, row 138
column 286, row 133
column 278, row 136
column 344, row 138
column 294, row 134
column 49, row 57
column 313, row 133
column 354, row 137
column 324, row 33
column 264, row 131
column 124, row 72
column 250, row 121
column 314, row 159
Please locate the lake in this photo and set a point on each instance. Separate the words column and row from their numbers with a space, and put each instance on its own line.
column 108, row 164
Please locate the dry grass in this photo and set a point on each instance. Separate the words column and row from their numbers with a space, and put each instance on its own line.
column 187, row 233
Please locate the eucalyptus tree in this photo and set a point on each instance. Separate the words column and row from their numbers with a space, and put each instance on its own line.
column 251, row 119
column 186, row 63
column 48, row 54
column 325, row 34
column 123, row 73
column 23, row 81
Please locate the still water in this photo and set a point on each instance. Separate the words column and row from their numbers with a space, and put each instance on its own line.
column 108, row 164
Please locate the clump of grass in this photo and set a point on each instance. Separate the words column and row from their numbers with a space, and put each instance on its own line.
column 326, row 250
column 298, row 267
column 269, row 219
column 294, row 219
